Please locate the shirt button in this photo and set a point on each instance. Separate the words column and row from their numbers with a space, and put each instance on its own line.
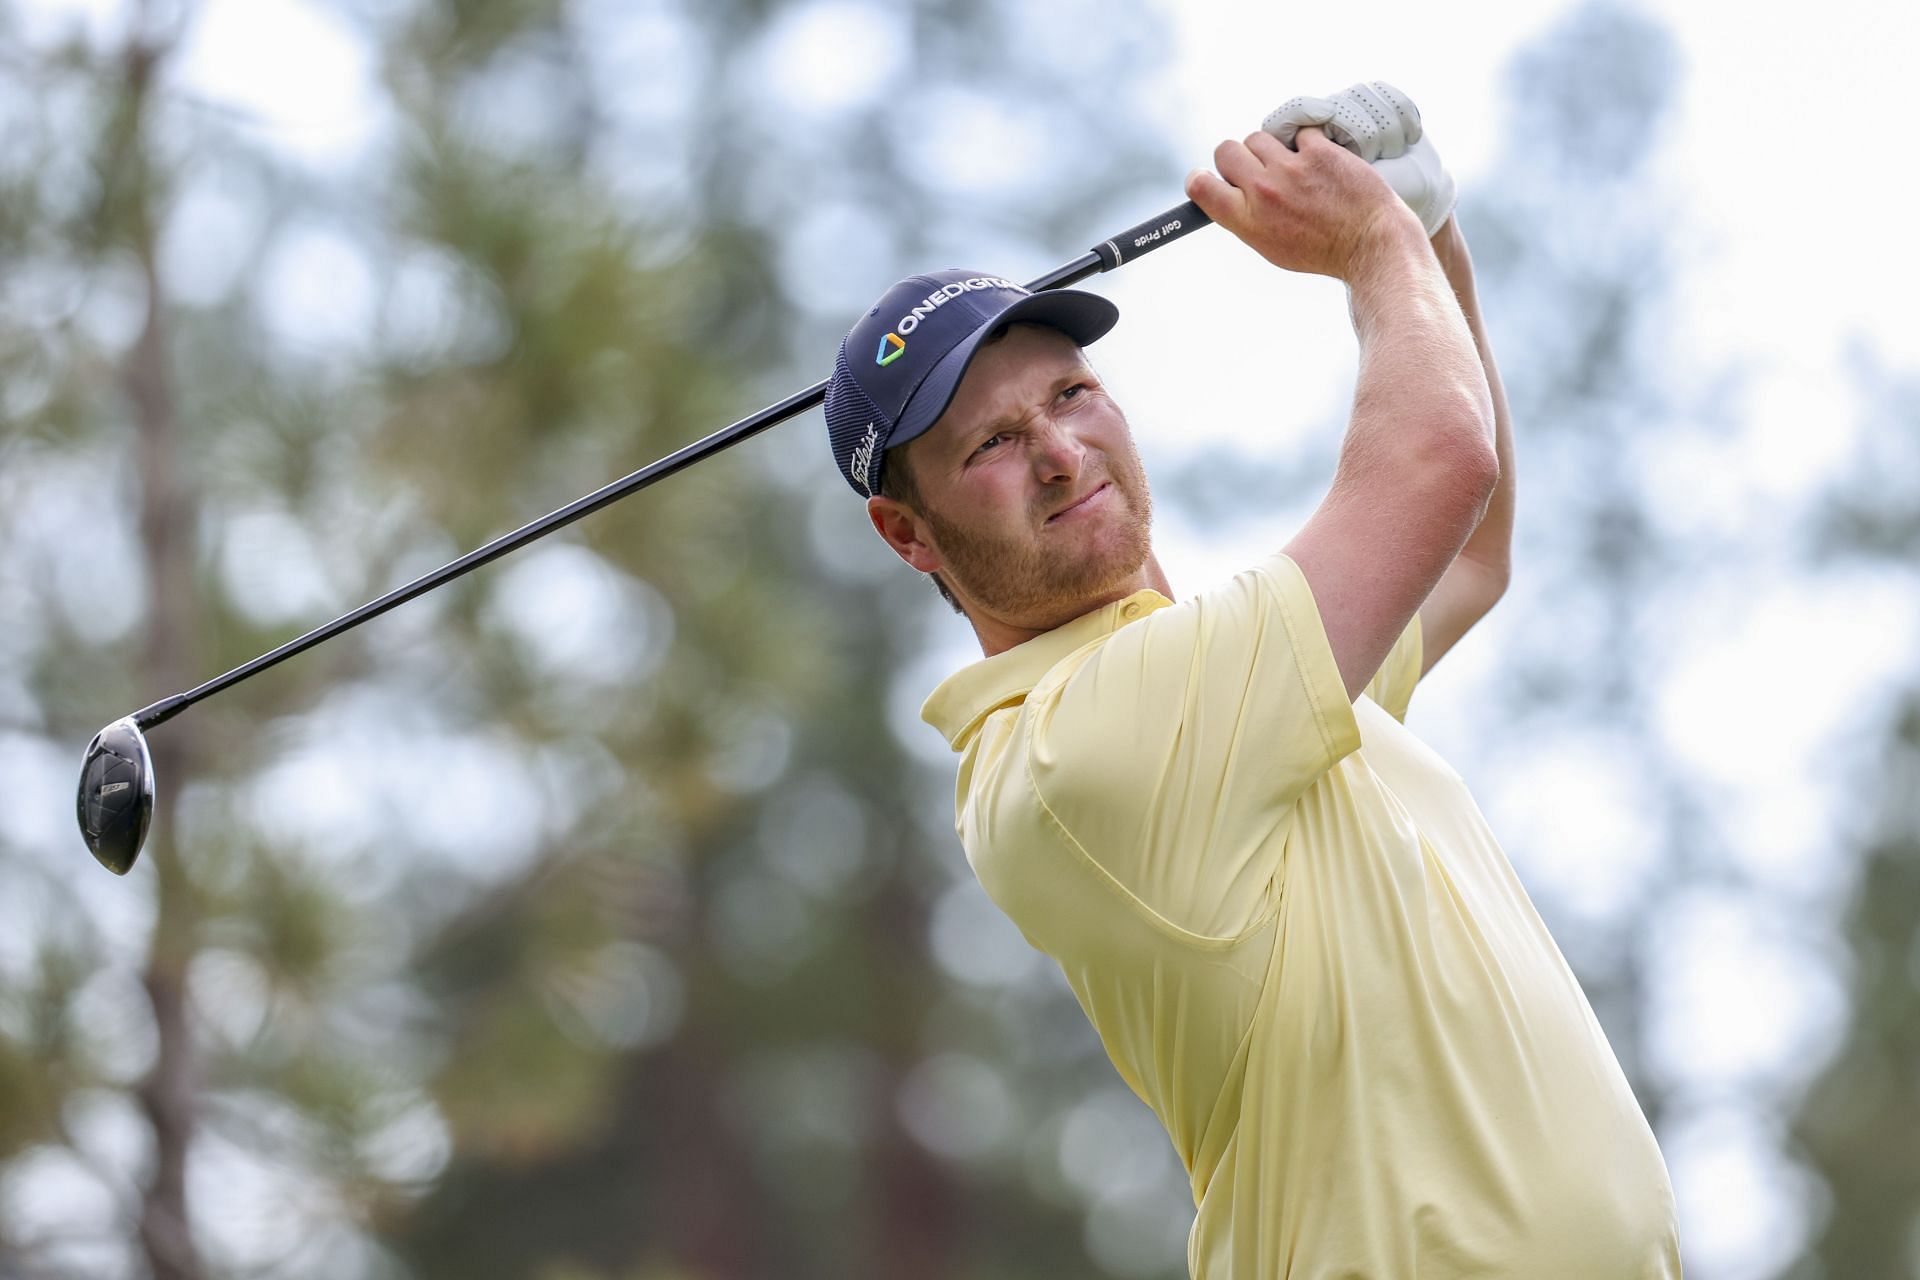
column 1131, row 611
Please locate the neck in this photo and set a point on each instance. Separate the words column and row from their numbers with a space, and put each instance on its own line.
column 997, row 635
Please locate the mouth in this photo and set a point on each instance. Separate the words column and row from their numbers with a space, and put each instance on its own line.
column 1082, row 507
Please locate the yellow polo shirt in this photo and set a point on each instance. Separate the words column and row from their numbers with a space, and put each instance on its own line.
column 1302, row 947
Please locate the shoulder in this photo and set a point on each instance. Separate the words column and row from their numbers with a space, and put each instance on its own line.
column 1235, row 680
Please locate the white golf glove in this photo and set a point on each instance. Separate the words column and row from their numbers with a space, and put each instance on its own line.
column 1381, row 125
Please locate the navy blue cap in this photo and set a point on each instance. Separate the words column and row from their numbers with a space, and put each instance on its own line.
column 900, row 365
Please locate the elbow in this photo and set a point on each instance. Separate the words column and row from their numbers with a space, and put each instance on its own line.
column 1474, row 428
column 1482, row 476
column 1480, row 460
column 1460, row 461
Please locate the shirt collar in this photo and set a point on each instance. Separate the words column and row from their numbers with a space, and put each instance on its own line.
column 969, row 695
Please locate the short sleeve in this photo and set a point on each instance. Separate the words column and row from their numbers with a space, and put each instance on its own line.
column 1173, row 753
column 1392, row 685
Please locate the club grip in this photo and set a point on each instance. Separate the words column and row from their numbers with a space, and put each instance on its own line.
column 1150, row 235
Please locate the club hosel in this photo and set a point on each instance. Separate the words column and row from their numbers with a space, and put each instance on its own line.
column 160, row 712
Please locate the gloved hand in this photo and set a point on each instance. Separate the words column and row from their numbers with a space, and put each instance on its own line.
column 1381, row 125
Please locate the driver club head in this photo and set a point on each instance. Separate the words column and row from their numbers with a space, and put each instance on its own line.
column 115, row 803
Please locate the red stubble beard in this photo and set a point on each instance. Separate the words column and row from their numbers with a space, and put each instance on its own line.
column 1040, row 575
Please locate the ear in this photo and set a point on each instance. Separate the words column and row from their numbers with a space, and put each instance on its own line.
column 905, row 532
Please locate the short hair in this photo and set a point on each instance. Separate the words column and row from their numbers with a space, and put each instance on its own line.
column 897, row 482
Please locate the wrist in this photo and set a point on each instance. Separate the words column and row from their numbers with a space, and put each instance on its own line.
column 1398, row 293
column 1391, row 254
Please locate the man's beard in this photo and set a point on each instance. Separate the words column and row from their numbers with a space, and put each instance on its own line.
column 1015, row 575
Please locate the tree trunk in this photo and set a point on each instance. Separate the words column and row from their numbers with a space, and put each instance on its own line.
column 167, row 1093
column 917, row 1203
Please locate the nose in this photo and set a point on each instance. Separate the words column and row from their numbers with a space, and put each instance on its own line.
column 1058, row 455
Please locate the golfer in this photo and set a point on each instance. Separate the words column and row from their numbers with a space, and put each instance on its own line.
column 1282, row 912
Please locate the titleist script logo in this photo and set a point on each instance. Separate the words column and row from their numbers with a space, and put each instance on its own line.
column 862, row 464
column 911, row 321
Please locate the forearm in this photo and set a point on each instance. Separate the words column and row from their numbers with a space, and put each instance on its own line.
column 1491, row 543
column 1421, row 399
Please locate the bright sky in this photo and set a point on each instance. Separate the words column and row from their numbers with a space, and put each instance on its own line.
column 1778, row 156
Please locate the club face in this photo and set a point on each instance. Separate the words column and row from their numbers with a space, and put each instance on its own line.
column 115, row 802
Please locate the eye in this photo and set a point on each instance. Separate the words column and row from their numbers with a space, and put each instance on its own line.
column 989, row 442
column 1073, row 391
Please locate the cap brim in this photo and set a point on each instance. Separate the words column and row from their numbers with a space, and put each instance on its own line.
column 1084, row 317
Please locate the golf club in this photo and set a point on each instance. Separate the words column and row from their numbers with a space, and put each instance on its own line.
column 115, row 801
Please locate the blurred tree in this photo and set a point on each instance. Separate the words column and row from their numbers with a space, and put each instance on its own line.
column 73, row 233
column 1854, row 1122
column 573, row 922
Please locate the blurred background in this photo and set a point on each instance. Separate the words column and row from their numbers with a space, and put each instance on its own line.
column 600, row 917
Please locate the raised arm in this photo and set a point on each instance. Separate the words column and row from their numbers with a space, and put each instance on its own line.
column 1418, row 463
column 1477, row 578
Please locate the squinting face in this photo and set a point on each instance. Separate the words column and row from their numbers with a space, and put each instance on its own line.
column 1035, row 506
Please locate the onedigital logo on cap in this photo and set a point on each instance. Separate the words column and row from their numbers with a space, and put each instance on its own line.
column 911, row 321
column 891, row 349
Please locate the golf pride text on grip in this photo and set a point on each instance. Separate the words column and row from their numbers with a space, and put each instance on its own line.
column 1151, row 234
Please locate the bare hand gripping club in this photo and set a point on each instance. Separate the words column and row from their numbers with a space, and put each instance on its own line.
column 115, row 802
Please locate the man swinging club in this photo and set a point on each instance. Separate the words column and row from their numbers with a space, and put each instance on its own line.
column 1280, row 910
